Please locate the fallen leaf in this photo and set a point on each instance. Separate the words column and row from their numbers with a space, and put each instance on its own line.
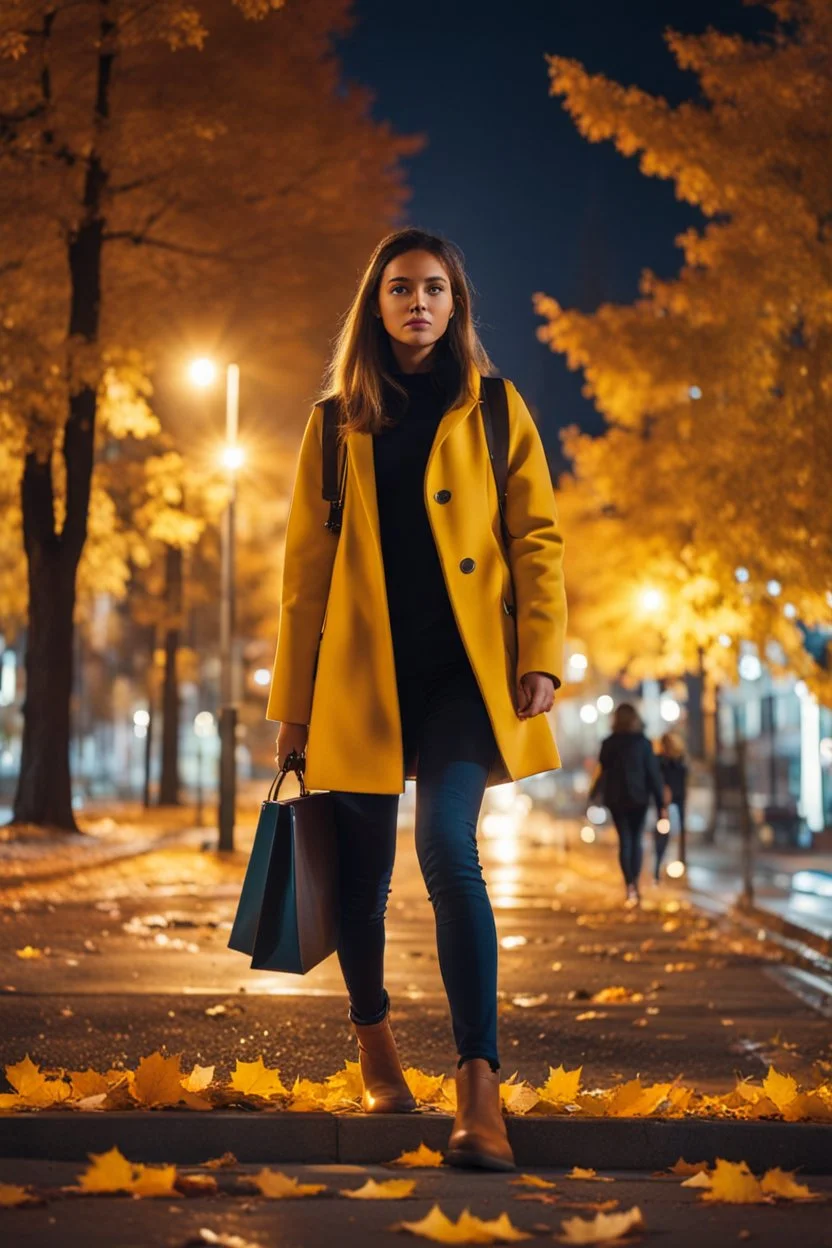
column 561, row 1087
column 256, row 1079
column 388, row 1189
column 779, row 1088
column 579, row 1172
column 421, row 1156
column 687, row 1167
column 733, row 1183
column 12, row 1194
column 531, row 1180
column 603, row 1229
column 279, row 1186
column 468, row 1229
column 781, row 1183
column 700, row 1179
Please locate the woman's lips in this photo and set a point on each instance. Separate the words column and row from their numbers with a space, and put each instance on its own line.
column 418, row 324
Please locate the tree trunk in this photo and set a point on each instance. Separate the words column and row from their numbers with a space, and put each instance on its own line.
column 44, row 790
column 151, row 718
column 44, row 794
column 169, row 780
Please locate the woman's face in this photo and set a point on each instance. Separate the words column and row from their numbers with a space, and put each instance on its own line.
column 416, row 302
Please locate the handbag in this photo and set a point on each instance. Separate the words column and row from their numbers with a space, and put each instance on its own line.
column 288, row 912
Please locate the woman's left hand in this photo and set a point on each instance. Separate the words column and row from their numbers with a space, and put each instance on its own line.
column 535, row 693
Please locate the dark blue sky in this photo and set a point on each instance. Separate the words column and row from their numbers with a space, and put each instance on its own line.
column 506, row 175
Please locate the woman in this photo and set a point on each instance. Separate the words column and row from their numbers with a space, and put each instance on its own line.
column 674, row 769
column 397, row 656
column 626, row 776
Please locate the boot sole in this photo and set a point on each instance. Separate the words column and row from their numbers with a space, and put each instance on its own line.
column 483, row 1161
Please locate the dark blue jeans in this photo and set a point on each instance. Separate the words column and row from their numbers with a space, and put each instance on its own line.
column 446, row 730
column 629, row 824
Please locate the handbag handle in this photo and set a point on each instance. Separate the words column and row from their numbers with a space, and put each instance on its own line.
column 294, row 762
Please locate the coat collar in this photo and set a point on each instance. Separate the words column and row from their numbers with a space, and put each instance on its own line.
column 360, row 460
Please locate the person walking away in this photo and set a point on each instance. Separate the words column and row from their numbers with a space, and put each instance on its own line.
column 627, row 775
column 674, row 769
column 402, row 653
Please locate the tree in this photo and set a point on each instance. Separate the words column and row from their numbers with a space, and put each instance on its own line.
column 715, row 385
column 148, row 197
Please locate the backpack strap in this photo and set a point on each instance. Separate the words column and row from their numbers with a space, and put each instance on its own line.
column 494, row 407
column 332, row 491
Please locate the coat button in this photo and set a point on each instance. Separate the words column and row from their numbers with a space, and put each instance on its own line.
column 442, row 496
column 467, row 565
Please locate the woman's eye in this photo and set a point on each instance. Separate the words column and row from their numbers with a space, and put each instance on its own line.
column 393, row 289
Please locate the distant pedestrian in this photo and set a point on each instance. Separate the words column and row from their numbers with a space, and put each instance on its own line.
column 626, row 777
column 674, row 769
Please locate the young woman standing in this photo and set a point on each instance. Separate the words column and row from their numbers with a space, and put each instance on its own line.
column 398, row 657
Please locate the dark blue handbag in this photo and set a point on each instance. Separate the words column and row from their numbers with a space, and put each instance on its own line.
column 288, row 912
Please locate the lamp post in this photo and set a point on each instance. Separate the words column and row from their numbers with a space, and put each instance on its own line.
column 202, row 373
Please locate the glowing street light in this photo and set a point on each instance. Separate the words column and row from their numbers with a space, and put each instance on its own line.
column 202, row 372
column 651, row 599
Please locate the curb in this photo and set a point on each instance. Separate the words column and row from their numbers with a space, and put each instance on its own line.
column 189, row 1138
column 809, row 947
column 133, row 849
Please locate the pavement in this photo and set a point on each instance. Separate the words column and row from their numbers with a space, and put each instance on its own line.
column 130, row 957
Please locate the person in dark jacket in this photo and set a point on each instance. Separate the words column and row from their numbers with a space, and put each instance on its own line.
column 626, row 777
column 674, row 769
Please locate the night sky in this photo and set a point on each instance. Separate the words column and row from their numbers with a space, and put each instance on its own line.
column 506, row 175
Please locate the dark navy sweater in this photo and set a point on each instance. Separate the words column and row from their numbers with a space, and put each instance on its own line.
column 421, row 617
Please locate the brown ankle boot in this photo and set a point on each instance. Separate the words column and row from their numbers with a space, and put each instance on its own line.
column 385, row 1087
column 479, row 1136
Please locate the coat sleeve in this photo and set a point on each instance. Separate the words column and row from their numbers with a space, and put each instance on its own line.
column 309, row 554
column 535, row 547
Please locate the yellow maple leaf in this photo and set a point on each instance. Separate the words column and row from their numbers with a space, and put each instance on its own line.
column 12, row 1194
column 426, row 1088
column 33, row 1087
column 109, row 1172
column 632, row 1100
column 87, row 1083
column 733, row 1183
column 808, row 1105
column 421, row 1156
column 468, row 1229
column 532, row 1180
column 347, row 1083
column 581, row 1172
column 199, row 1079
column 153, row 1180
column 388, row 1189
column 29, row 952
column 782, row 1183
column 158, row 1080
column 518, row 1098
column 781, row 1089
column 603, row 1228
column 279, row 1186
column 561, row 1087
column 256, row 1079
column 688, row 1167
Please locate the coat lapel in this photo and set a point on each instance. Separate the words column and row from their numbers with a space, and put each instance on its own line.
column 361, row 465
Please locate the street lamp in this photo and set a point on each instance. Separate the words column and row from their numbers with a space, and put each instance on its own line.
column 203, row 373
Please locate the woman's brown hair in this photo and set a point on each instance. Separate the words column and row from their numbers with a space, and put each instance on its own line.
column 362, row 360
column 627, row 719
column 672, row 745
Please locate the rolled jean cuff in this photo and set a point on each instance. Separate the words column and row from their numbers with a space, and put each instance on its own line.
column 367, row 1022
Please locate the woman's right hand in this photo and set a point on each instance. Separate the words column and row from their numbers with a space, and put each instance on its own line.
column 290, row 737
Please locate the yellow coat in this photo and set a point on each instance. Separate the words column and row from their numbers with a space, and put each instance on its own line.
column 334, row 601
